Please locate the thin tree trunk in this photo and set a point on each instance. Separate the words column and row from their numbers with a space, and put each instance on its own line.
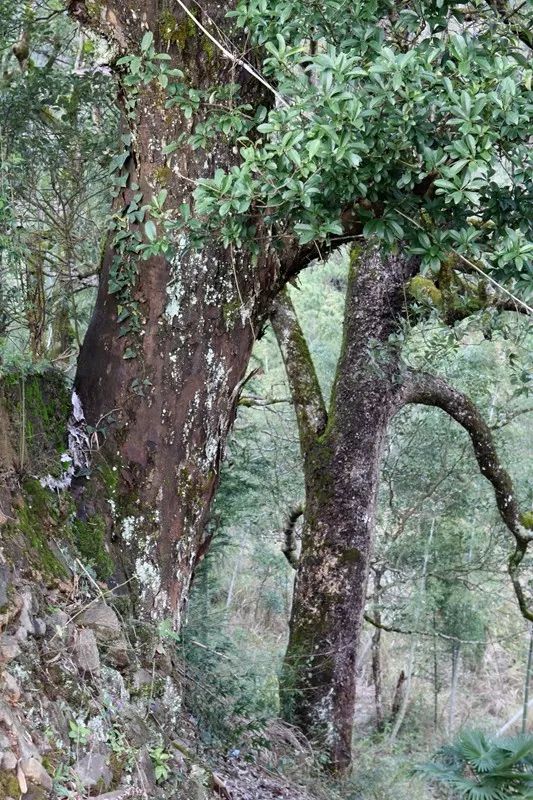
column 399, row 692
column 435, row 677
column 229, row 598
column 398, row 722
column 376, row 653
column 456, row 660
column 527, row 680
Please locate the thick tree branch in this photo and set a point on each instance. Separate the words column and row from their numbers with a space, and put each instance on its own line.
column 426, row 389
column 289, row 549
column 250, row 401
column 305, row 390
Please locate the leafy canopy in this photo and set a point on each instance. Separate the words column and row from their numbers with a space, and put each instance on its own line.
column 409, row 122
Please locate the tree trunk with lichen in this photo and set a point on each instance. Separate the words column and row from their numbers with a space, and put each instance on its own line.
column 161, row 398
column 341, row 452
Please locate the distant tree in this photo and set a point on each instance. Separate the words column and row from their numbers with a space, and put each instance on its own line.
column 54, row 179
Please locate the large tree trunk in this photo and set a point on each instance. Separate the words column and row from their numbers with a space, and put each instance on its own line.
column 165, row 397
column 341, row 453
column 341, row 465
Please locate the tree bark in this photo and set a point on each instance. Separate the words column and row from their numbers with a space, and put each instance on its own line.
column 164, row 398
column 341, row 455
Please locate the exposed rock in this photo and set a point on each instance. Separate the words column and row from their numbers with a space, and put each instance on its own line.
column 34, row 771
column 114, row 693
column 93, row 770
column 9, row 760
column 120, row 794
column 102, row 620
column 86, row 651
column 142, row 678
column 9, row 648
column 138, row 730
column 5, row 581
column 145, row 773
column 25, row 621
column 39, row 627
column 6, row 715
column 196, row 785
column 57, row 624
column 117, row 653
column 10, row 687
column 27, row 748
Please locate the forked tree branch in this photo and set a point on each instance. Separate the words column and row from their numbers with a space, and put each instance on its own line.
column 430, row 390
column 306, row 394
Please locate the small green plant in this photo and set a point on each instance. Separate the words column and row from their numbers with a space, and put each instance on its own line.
column 476, row 767
column 159, row 759
column 62, row 782
column 78, row 732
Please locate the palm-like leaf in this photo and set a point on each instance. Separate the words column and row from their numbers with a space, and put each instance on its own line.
column 476, row 767
column 476, row 749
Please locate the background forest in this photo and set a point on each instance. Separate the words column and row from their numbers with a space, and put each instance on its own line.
column 444, row 648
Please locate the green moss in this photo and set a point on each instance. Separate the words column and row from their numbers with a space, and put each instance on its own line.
column 89, row 537
column 231, row 311
column 39, row 406
column 423, row 290
column 38, row 512
column 355, row 255
column 9, row 785
column 208, row 48
column 175, row 32
column 109, row 477
column 116, row 764
column 351, row 556
column 526, row 520
column 94, row 9
column 162, row 175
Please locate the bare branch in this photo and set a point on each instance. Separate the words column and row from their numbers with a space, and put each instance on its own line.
column 306, row 394
column 250, row 401
column 430, row 390
column 506, row 14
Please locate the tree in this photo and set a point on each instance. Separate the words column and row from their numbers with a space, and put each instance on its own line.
column 395, row 125
column 341, row 451
column 54, row 188
column 165, row 355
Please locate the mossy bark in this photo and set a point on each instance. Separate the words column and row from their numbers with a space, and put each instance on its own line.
column 34, row 409
column 341, row 466
column 163, row 399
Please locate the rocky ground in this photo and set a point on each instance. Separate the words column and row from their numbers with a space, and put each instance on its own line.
column 91, row 707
